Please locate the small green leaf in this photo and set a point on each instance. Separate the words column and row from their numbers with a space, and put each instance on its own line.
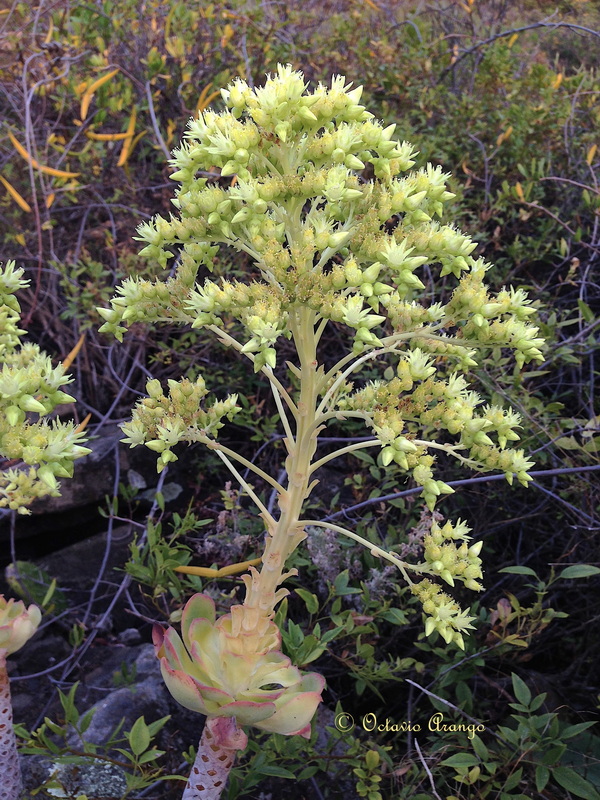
column 49, row 593
column 542, row 776
column 139, row 736
column 579, row 571
column 395, row 616
column 521, row 691
column 513, row 780
column 553, row 755
column 461, row 760
column 310, row 600
column 519, row 571
column 537, row 701
column 150, row 755
column 574, row 783
column 573, row 730
column 307, row 773
column 586, row 312
column 480, row 748
column 276, row 772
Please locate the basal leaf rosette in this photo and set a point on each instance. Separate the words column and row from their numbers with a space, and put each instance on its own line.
column 17, row 624
column 217, row 671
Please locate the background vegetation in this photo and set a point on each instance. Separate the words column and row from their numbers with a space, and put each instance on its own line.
column 504, row 95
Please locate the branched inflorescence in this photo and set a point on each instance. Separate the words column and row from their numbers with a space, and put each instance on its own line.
column 341, row 231
column 30, row 384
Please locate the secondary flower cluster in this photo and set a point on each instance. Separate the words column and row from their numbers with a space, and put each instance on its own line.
column 419, row 394
column 447, row 560
column 29, row 383
column 160, row 422
column 442, row 613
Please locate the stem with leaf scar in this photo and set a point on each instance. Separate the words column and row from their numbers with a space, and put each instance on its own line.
column 10, row 786
column 285, row 534
column 221, row 739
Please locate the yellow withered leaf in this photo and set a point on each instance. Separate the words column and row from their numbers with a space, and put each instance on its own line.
column 203, row 93
column 50, row 32
column 57, row 173
column 125, row 149
column 71, row 357
column 519, row 191
column 19, row 200
column 504, row 136
column 50, row 199
column 92, row 89
column 20, row 239
column 106, row 137
column 590, row 154
column 83, row 424
column 211, row 572
column 130, row 147
column 135, row 141
column 558, row 80
column 171, row 125
column 203, row 103
column 228, row 32
column 513, row 39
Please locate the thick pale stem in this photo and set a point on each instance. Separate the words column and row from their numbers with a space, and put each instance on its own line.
column 221, row 739
column 10, row 785
column 285, row 535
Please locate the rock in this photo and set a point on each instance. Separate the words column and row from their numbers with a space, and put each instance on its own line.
column 146, row 699
column 74, row 514
column 93, row 778
column 130, row 636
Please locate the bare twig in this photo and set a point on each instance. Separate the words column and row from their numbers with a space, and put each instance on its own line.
column 511, row 32
column 155, row 127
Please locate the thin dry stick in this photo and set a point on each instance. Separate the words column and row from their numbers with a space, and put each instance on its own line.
column 426, row 768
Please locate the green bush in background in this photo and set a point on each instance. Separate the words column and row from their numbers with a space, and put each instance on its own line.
column 500, row 93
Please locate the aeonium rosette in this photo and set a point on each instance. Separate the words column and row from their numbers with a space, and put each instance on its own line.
column 17, row 624
column 218, row 671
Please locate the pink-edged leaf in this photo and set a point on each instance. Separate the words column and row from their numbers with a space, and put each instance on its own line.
column 199, row 606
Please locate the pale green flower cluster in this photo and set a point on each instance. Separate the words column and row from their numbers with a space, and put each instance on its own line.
column 161, row 422
column 447, row 560
column 443, row 614
column 30, row 384
column 323, row 200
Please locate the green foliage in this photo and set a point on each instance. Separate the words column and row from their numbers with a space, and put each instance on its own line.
column 139, row 756
column 34, row 584
column 516, row 122
column 153, row 562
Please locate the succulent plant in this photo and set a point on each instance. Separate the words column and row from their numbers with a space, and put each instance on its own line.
column 17, row 626
column 339, row 229
column 219, row 671
column 234, row 677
